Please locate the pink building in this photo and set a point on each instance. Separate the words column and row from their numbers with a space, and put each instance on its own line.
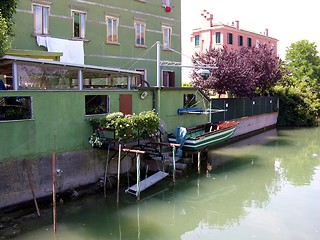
column 213, row 35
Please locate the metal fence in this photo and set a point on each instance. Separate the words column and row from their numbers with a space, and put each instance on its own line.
column 242, row 107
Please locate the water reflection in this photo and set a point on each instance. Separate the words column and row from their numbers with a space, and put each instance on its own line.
column 261, row 187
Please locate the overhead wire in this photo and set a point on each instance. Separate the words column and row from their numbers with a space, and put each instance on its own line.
column 139, row 57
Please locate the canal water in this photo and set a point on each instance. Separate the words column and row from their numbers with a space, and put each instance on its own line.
column 263, row 187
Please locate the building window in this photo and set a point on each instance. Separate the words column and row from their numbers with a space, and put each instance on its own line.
column 165, row 2
column 197, row 40
column 189, row 100
column 15, row 108
column 168, row 78
column 79, row 24
column 249, row 42
column 97, row 104
column 140, row 34
column 41, row 19
column 240, row 40
column 112, row 29
column 166, row 32
column 218, row 37
column 141, row 80
column 230, row 38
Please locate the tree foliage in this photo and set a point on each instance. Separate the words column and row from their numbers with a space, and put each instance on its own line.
column 298, row 106
column 304, row 63
column 244, row 72
column 298, row 90
column 7, row 9
column 4, row 37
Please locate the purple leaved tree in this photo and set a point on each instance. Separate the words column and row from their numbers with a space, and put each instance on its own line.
column 244, row 72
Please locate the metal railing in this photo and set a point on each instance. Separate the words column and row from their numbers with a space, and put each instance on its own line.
column 242, row 107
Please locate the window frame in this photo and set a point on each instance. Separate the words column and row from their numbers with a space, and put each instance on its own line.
column 144, row 77
column 169, row 29
column 165, row 3
column 82, row 24
column 142, row 26
column 189, row 100
column 249, row 42
column 106, row 104
column 115, row 29
column 197, row 40
column 218, row 37
column 168, row 78
column 240, row 40
column 44, row 21
column 19, row 108
column 230, row 38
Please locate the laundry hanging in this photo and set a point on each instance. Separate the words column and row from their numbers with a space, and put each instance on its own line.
column 73, row 51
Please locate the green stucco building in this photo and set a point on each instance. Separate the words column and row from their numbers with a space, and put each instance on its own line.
column 108, row 33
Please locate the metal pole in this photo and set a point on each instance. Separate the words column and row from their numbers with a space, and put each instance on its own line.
column 158, row 77
column 158, row 65
column 15, row 82
column 80, row 79
column 138, row 177
column 129, row 82
column 118, row 186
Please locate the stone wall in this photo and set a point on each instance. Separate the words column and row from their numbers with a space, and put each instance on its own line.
column 74, row 169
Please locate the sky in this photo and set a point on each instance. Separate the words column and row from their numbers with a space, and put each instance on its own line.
column 288, row 21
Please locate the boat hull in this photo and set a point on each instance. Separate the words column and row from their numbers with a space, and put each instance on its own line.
column 207, row 139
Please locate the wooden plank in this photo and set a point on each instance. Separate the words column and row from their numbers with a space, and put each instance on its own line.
column 149, row 181
column 133, row 151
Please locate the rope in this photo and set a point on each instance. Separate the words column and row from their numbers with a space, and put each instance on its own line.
column 139, row 57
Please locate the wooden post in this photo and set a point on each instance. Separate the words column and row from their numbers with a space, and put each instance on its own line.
column 199, row 162
column 106, row 174
column 27, row 166
column 54, row 205
column 174, row 163
column 119, row 166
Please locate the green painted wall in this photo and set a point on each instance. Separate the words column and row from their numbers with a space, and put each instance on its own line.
column 59, row 121
column 97, row 52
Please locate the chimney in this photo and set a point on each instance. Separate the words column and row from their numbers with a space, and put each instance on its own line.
column 210, row 19
column 206, row 19
column 237, row 24
column 267, row 32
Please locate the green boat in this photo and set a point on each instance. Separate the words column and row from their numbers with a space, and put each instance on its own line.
column 205, row 135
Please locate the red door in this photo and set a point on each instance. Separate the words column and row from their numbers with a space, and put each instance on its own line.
column 126, row 103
